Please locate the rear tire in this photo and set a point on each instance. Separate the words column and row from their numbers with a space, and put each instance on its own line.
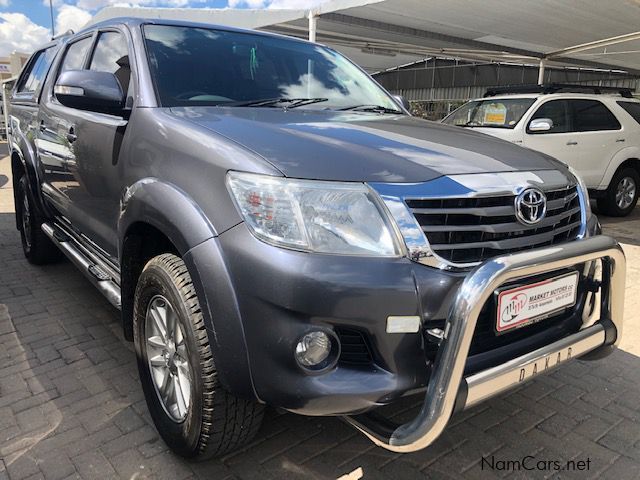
column 37, row 247
column 621, row 196
column 196, row 417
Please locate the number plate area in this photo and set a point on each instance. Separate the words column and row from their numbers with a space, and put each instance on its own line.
column 521, row 306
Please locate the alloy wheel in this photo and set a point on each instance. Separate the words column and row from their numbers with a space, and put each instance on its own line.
column 25, row 215
column 169, row 365
column 625, row 193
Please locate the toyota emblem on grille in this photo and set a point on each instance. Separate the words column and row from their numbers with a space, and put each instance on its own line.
column 531, row 206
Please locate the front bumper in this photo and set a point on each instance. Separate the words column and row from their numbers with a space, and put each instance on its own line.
column 283, row 294
column 272, row 296
column 449, row 389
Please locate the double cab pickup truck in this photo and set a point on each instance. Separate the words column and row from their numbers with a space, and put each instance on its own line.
column 276, row 229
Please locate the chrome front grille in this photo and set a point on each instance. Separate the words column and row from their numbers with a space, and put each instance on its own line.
column 467, row 230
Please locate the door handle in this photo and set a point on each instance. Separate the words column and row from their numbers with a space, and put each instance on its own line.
column 572, row 143
column 71, row 136
column 619, row 140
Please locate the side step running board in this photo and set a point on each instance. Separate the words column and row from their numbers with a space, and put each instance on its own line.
column 89, row 268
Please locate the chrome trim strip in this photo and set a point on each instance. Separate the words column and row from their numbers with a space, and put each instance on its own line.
column 479, row 285
column 415, row 240
column 584, row 201
column 48, row 190
column 494, row 381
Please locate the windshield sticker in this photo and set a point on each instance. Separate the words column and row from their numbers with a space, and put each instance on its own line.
column 495, row 114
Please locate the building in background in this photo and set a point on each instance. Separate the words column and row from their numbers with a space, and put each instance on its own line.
column 437, row 86
column 12, row 65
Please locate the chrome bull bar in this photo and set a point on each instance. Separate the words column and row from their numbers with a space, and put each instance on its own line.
column 448, row 390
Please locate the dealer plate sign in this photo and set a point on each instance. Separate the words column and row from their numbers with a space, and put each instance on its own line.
column 523, row 305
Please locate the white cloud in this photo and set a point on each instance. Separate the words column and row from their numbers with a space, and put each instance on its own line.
column 285, row 4
column 71, row 18
column 5, row 3
column 18, row 33
column 94, row 4
column 299, row 4
column 247, row 3
column 98, row 4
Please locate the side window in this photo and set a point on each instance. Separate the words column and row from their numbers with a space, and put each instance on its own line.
column 38, row 68
column 591, row 116
column 75, row 55
column 556, row 110
column 632, row 108
column 111, row 55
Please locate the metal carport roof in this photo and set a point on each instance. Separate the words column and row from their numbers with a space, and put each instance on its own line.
column 381, row 34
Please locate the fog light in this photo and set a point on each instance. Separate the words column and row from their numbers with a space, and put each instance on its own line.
column 313, row 350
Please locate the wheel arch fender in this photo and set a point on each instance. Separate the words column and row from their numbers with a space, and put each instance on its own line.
column 174, row 214
column 23, row 153
column 628, row 154
column 167, row 208
column 225, row 328
column 17, row 159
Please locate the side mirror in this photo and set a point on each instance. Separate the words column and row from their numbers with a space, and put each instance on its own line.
column 403, row 101
column 540, row 125
column 89, row 90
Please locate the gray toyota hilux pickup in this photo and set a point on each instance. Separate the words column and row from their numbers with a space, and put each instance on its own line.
column 276, row 229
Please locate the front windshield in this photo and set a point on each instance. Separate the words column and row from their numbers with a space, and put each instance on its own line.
column 201, row 66
column 502, row 113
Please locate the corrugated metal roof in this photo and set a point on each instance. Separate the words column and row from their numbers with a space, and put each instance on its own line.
column 538, row 26
column 380, row 34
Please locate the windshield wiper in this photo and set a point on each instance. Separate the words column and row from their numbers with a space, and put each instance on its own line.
column 371, row 108
column 269, row 102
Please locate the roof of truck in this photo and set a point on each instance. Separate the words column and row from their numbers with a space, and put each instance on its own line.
column 556, row 95
column 138, row 21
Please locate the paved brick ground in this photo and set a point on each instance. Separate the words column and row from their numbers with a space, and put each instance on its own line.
column 71, row 406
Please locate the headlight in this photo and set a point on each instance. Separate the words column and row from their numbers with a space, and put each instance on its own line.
column 314, row 216
column 584, row 190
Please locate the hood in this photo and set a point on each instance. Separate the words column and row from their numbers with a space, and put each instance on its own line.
column 360, row 146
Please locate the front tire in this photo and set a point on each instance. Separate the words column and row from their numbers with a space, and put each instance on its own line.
column 622, row 194
column 193, row 413
column 37, row 247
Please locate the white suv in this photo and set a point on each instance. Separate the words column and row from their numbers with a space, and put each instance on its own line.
column 597, row 135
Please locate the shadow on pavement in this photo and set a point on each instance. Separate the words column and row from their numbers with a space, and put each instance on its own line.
column 624, row 229
column 71, row 404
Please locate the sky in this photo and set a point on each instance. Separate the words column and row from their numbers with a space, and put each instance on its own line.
column 26, row 24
